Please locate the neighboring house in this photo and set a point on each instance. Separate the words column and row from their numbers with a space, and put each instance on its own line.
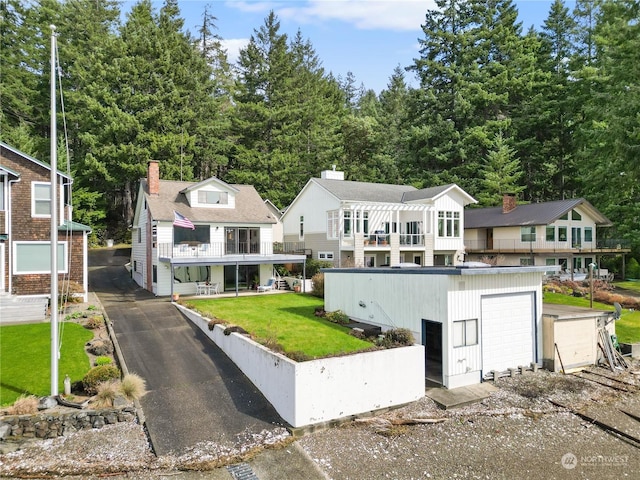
column 373, row 224
column 561, row 233
column 25, row 228
column 222, row 234
column 277, row 227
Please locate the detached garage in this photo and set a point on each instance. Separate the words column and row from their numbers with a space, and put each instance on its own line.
column 471, row 320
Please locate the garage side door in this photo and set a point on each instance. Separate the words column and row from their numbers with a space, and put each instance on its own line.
column 507, row 331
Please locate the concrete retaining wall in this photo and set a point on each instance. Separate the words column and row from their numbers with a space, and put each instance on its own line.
column 316, row 391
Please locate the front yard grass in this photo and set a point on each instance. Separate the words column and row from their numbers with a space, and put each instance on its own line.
column 627, row 327
column 633, row 285
column 25, row 359
column 288, row 320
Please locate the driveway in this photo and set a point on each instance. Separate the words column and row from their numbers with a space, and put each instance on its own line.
column 196, row 394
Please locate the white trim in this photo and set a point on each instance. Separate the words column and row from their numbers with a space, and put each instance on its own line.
column 325, row 255
column 2, row 266
column 85, row 265
column 33, row 200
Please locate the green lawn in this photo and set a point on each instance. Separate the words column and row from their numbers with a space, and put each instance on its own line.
column 627, row 328
column 287, row 319
column 629, row 285
column 25, row 359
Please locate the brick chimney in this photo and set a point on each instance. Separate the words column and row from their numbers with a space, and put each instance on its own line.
column 153, row 177
column 508, row 202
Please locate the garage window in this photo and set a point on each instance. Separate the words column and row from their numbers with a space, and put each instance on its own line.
column 465, row 333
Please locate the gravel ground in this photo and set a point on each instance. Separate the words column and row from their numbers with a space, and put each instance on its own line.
column 515, row 433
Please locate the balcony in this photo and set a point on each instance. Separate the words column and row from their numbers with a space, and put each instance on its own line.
column 516, row 245
column 222, row 249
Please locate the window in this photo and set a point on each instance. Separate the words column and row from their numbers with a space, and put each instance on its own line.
column 551, row 234
column 449, row 224
column 347, row 225
column 325, row 255
column 187, row 236
column 562, row 234
column 565, row 217
column 528, row 234
column 301, row 232
column 588, row 234
column 40, row 199
column 575, row 215
column 154, row 235
column 242, row 240
column 362, row 222
column 333, row 224
column 213, row 198
column 465, row 333
column 369, row 261
column 1, row 193
column 526, row 262
column 35, row 257
column 135, row 265
column 139, row 234
column 154, row 274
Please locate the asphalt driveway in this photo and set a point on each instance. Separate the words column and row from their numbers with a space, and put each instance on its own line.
column 196, row 394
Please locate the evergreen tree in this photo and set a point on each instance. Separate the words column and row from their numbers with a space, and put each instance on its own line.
column 501, row 173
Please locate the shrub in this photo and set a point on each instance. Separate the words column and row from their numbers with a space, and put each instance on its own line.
column 397, row 337
column 94, row 322
column 133, row 387
column 97, row 375
column 317, row 285
column 338, row 317
column 102, row 360
column 313, row 267
column 633, row 269
column 24, row 405
column 106, row 393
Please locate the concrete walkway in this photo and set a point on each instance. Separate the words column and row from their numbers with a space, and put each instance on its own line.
column 459, row 397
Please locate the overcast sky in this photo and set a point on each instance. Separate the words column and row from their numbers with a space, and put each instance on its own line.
column 366, row 37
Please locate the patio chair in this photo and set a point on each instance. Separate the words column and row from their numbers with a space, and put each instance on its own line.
column 214, row 288
column 268, row 286
column 201, row 288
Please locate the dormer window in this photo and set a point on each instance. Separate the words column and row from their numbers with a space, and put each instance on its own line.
column 213, row 198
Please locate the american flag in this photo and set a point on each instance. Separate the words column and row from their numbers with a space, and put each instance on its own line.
column 182, row 221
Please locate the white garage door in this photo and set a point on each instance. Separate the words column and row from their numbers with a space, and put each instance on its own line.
column 507, row 331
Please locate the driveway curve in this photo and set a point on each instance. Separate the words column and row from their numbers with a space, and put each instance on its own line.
column 196, row 394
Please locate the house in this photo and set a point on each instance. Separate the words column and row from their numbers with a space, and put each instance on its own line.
column 471, row 320
column 371, row 224
column 561, row 233
column 25, row 228
column 185, row 233
column 277, row 232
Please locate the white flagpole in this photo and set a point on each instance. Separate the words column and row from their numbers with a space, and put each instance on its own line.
column 54, row 223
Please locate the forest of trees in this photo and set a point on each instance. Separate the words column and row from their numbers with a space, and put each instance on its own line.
column 548, row 114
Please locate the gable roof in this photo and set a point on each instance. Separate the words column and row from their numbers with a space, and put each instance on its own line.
column 347, row 190
column 208, row 181
column 543, row 213
column 249, row 206
column 31, row 159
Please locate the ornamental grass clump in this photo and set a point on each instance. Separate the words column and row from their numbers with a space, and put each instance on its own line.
column 106, row 393
column 133, row 387
column 24, row 405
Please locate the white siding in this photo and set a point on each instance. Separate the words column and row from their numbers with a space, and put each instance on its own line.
column 313, row 205
column 398, row 299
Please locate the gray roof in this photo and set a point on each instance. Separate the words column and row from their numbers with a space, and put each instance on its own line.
column 34, row 160
column 426, row 193
column 364, row 191
column 543, row 213
column 249, row 206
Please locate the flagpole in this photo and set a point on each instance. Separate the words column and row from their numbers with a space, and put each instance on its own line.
column 54, row 222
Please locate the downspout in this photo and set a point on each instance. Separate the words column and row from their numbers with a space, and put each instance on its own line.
column 10, row 242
